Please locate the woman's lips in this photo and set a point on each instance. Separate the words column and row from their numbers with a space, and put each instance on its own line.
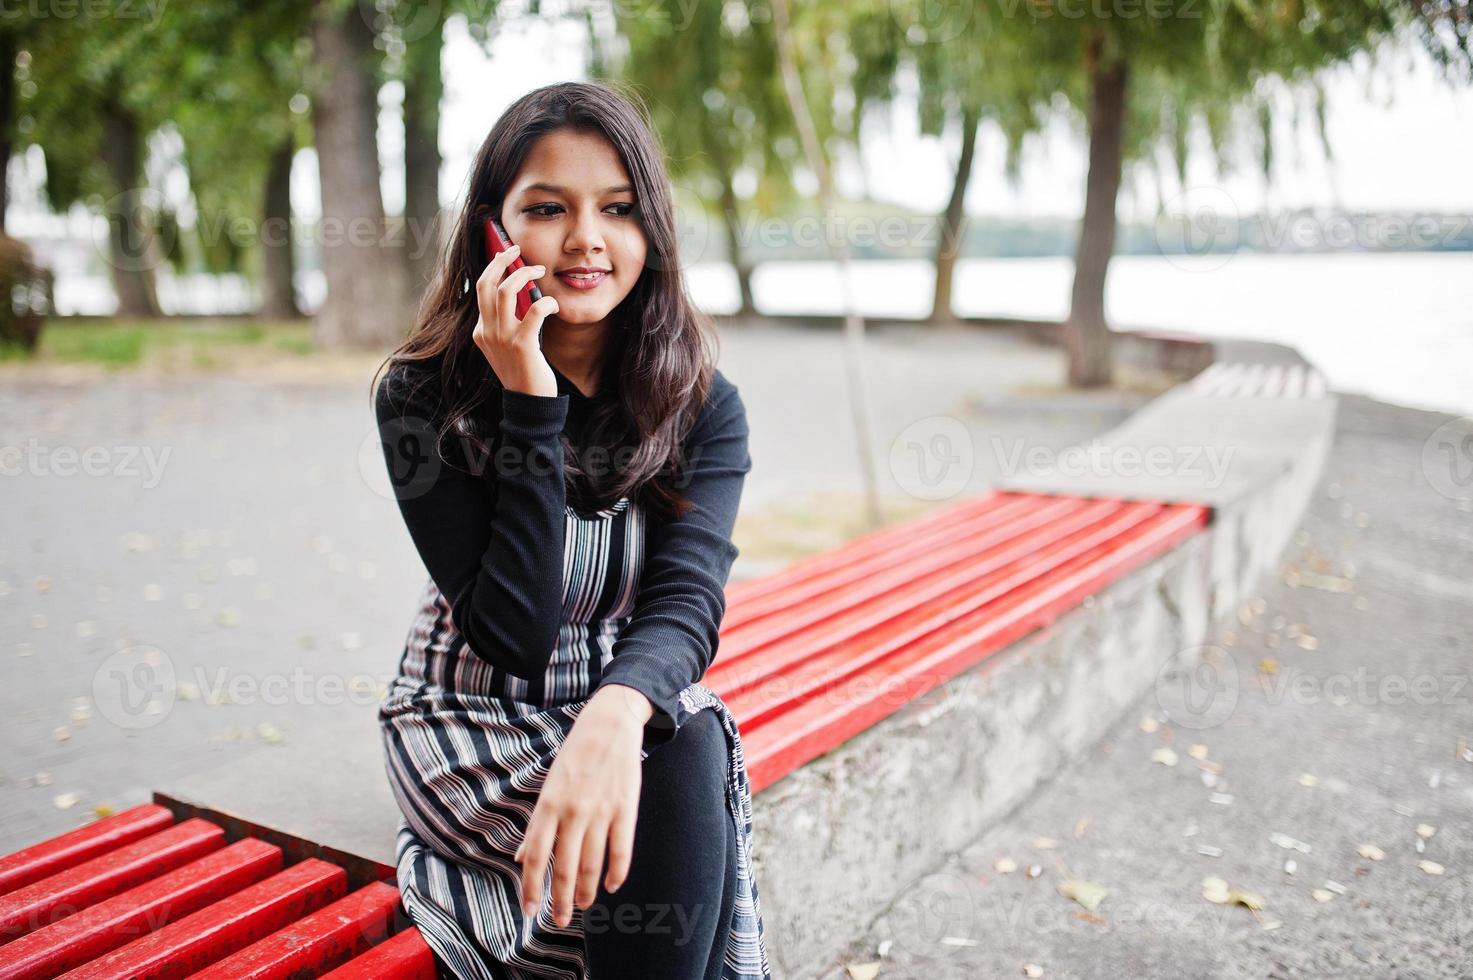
column 580, row 281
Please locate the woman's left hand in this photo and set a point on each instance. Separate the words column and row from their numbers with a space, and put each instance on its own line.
column 587, row 805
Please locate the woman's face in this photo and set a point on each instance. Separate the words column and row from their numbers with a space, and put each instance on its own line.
column 571, row 209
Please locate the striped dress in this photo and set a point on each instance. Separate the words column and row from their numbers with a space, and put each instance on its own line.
column 467, row 747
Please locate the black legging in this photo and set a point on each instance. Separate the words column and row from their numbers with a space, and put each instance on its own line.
column 670, row 917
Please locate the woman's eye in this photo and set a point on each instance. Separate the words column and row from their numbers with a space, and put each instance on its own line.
column 540, row 210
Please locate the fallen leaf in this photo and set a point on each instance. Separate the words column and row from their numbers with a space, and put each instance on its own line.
column 1087, row 893
column 863, row 971
column 1431, row 867
column 1005, row 866
column 1322, row 895
column 1164, row 755
column 1372, row 852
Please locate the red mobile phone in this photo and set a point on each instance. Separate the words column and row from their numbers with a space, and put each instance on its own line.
column 498, row 242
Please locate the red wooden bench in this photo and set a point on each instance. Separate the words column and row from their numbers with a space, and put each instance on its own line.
column 810, row 656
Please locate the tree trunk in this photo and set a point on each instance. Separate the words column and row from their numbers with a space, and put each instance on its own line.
column 423, row 88
column 1086, row 335
column 953, row 226
column 133, row 251
column 366, row 304
column 731, row 221
column 278, row 253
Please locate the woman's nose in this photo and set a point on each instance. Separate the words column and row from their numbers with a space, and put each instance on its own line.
column 585, row 235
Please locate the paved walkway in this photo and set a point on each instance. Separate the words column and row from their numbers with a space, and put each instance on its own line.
column 219, row 574
column 1335, row 720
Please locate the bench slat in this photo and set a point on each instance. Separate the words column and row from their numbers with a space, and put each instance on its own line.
column 861, row 568
column 873, row 633
column 317, row 943
column 70, row 849
column 214, row 932
column 52, row 899
column 404, row 957
column 109, row 924
column 819, row 725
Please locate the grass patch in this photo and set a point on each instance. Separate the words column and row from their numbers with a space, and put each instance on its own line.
column 198, row 343
column 816, row 523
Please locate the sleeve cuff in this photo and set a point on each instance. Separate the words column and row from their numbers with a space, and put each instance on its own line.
column 535, row 414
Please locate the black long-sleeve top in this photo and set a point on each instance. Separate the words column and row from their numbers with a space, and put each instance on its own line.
column 492, row 539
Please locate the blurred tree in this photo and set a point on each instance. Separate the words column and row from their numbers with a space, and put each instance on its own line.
column 367, row 302
column 965, row 63
column 708, row 73
column 412, row 36
column 83, row 104
column 1118, row 70
column 230, row 79
column 1445, row 29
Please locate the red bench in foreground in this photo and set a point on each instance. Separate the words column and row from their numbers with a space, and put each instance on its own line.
column 810, row 656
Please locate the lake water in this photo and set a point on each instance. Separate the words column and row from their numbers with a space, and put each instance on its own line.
column 1395, row 326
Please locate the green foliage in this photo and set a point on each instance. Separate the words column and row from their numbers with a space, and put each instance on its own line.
column 708, row 72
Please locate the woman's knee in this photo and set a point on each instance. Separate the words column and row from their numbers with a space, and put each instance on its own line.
column 697, row 755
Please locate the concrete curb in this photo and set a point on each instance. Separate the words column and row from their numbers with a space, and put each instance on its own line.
column 840, row 837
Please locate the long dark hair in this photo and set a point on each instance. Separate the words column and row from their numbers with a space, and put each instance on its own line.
column 659, row 369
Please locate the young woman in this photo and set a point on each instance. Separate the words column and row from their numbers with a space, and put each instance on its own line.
column 575, row 802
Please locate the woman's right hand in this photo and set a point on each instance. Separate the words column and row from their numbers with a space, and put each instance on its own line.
column 511, row 347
